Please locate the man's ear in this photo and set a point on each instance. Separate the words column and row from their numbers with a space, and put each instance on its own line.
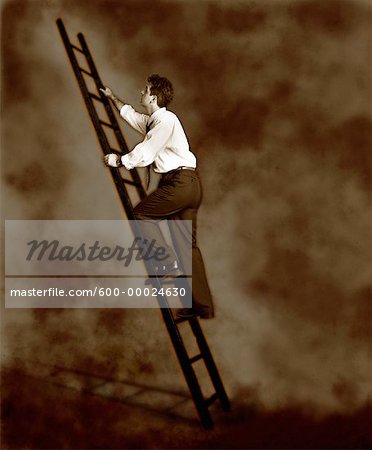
column 154, row 99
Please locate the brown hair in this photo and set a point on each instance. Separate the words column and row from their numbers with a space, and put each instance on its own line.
column 162, row 88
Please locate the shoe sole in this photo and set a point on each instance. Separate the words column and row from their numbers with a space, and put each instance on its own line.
column 189, row 316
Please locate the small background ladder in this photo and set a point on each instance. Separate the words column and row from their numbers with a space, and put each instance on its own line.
column 108, row 131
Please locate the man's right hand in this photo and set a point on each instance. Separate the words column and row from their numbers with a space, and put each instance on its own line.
column 113, row 160
column 107, row 92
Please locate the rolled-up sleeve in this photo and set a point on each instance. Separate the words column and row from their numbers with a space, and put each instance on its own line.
column 135, row 119
column 145, row 153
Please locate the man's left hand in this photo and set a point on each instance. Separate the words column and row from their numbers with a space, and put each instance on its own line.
column 107, row 92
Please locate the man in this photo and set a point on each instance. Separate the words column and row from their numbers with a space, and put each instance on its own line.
column 178, row 195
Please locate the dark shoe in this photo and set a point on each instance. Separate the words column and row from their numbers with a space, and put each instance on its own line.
column 188, row 313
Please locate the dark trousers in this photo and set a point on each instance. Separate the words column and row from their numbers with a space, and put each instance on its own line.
column 178, row 197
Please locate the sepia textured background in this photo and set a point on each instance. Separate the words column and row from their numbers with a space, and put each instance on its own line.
column 276, row 102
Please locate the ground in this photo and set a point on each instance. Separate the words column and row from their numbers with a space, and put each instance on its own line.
column 68, row 410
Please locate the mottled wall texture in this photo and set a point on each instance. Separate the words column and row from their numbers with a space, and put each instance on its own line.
column 275, row 98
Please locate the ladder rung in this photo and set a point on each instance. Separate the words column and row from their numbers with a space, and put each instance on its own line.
column 196, row 358
column 133, row 183
column 211, row 399
column 85, row 71
column 78, row 49
column 106, row 124
column 95, row 96
column 182, row 319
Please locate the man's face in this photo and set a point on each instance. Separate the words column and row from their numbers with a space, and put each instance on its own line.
column 146, row 97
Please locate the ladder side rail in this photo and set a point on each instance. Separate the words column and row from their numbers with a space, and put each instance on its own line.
column 123, row 193
column 185, row 362
column 111, row 116
column 210, row 364
column 117, row 131
column 170, row 322
column 99, row 85
column 118, row 180
column 83, row 88
column 178, row 345
column 187, row 369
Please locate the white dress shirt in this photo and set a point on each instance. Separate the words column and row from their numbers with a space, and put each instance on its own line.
column 165, row 144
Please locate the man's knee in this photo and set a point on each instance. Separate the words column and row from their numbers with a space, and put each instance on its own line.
column 139, row 215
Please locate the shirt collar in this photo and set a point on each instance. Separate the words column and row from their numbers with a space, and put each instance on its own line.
column 158, row 112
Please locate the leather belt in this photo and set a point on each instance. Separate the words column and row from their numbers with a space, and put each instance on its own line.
column 179, row 168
